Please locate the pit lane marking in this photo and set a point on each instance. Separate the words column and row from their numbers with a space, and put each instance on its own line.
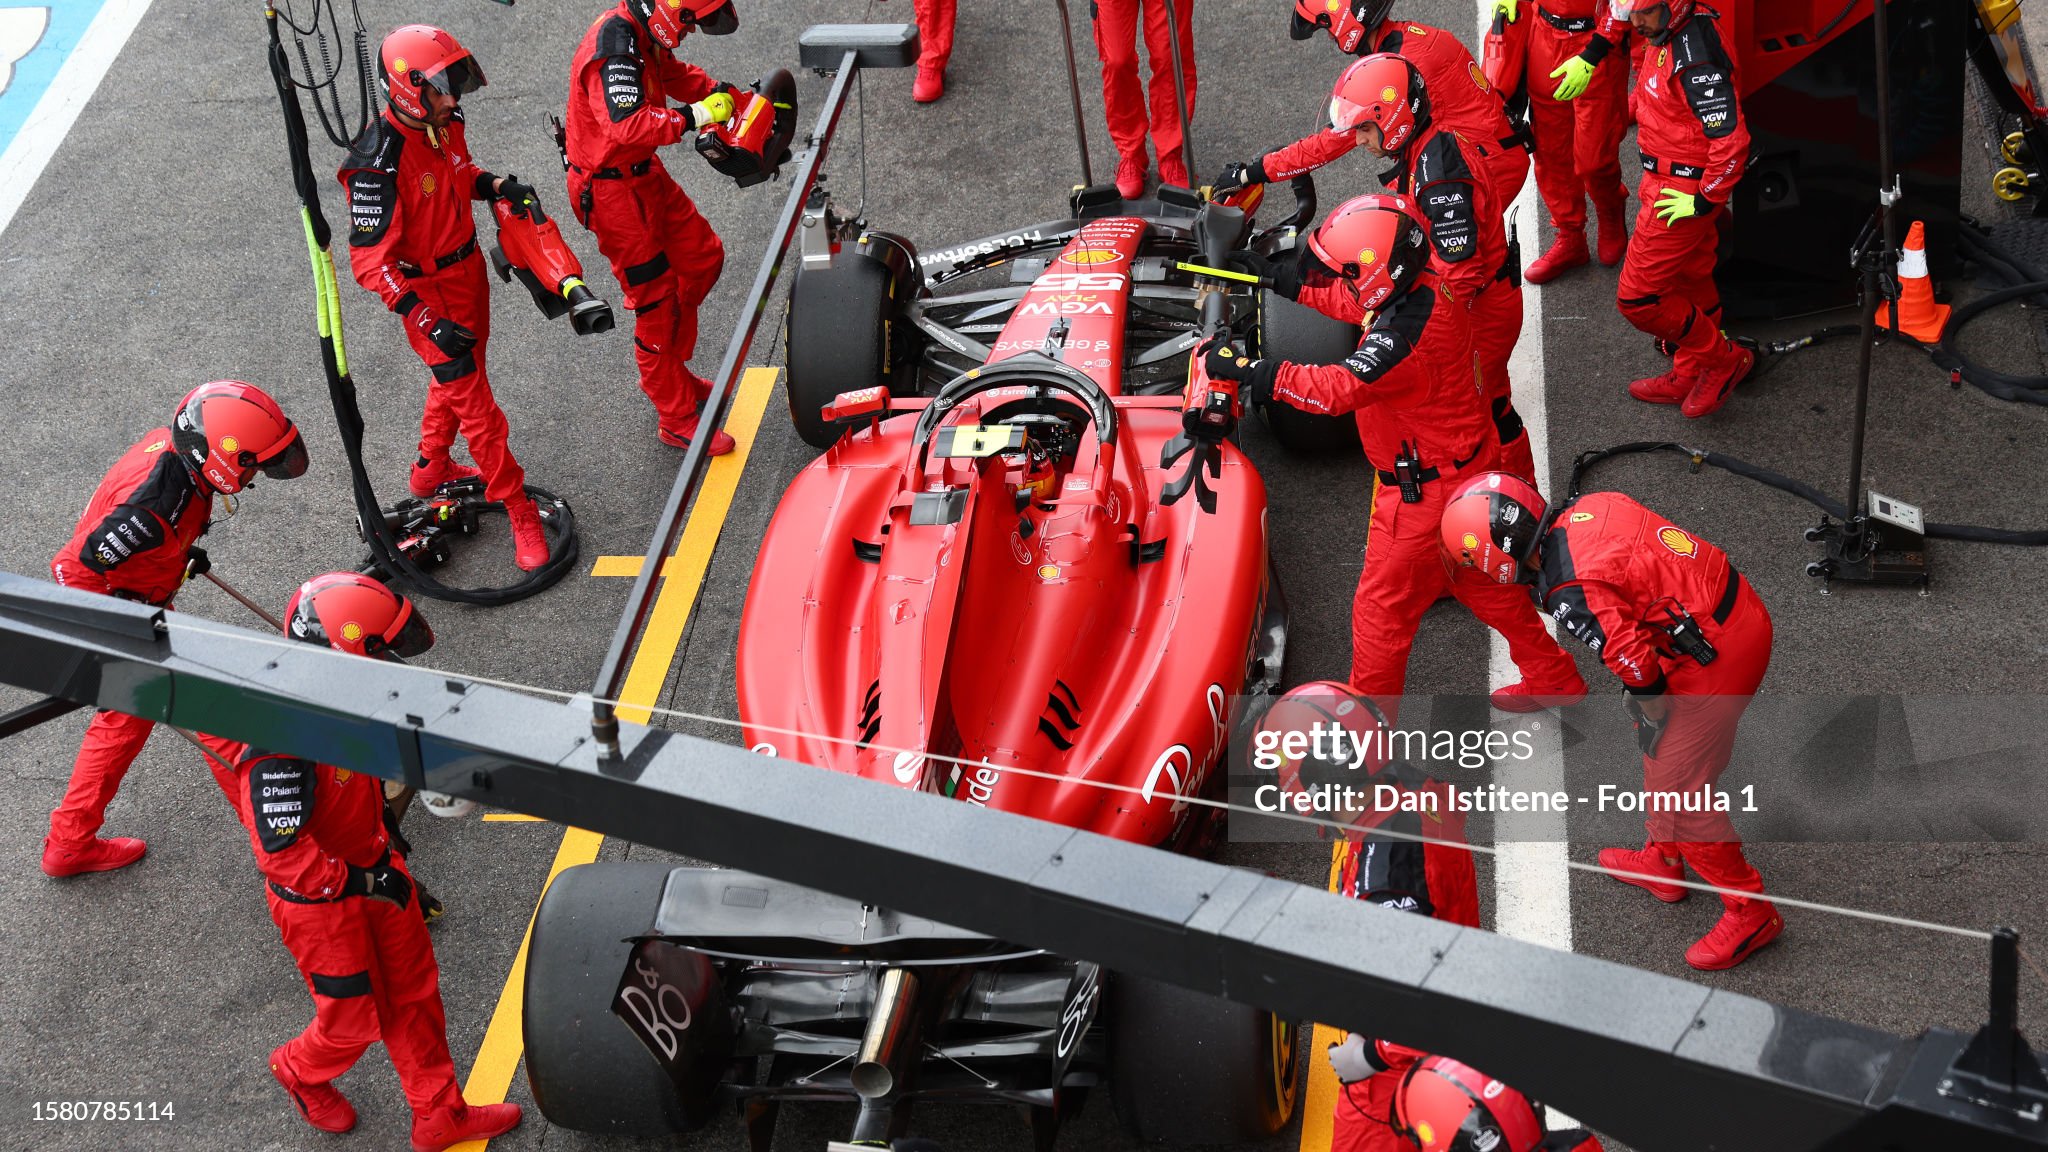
column 497, row 1058
column 49, row 79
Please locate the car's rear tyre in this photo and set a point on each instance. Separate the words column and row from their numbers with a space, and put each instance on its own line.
column 587, row 1070
column 1302, row 335
column 847, row 330
column 1186, row 1068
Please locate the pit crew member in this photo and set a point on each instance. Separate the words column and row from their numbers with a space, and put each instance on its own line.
column 661, row 248
column 1688, row 638
column 412, row 242
column 1133, row 107
column 1445, row 1106
column 1462, row 98
column 935, row 19
column 1695, row 145
column 345, row 902
column 137, row 540
column 1557, row 50
column 1414, row 386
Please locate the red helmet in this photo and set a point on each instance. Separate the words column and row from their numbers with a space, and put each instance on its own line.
column 1385, row 91
column 227, row 430
column 668, row 21
column 1676, row 13
column 350, row 612
column 1377, row 242
column 1491, row 526
column 421, row 54
column 1445, row 1106
column 1303, row 762
column 1347, row 21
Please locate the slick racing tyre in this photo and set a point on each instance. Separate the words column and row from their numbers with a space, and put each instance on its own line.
column 847, row 331
column 588, row 1071
column 1301, row 335
column 1190, row 1069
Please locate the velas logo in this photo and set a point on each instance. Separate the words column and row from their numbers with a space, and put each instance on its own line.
column 351, row 631
column 1091, row 256
column 1677, row 541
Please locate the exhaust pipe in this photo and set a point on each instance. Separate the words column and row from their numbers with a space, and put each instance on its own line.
column 889, row 1042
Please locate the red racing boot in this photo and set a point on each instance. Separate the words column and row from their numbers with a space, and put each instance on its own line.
column 1714, row 386
column 1668, row 388
column 105, row 854
column 428, row 475
column 530, row 549
column 444, row 1128
column 1567, row 252
column 681, row 437
column 1520, row 697
column 1737, row 936
column 1173, row 170
column 321, row 1105
column 1612, row 221
column 1647, row 861
column 1130, row 175
column 930, row 83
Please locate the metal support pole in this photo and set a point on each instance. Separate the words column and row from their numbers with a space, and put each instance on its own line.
column 604, row 724
column 245, row 602
column 1181, row 104
column 1074, row 93
column 1875, row 270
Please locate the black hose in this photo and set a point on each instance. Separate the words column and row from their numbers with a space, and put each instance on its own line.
column 2023, row 281
column 1799, row 488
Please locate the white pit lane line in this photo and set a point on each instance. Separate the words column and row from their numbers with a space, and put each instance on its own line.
column 1532, row 893
column 74, row 84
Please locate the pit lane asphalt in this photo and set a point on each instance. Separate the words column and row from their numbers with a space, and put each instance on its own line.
column 160, row 249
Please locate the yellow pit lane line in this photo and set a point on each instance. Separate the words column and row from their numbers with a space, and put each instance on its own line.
column 497, row 1059
column 1319, row 1095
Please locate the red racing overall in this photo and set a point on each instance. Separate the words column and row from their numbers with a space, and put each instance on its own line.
column 662, row 250
column 1613, row 572
column 1460, row 99
column 132, row 541
column 1124, row 99
column 1438, row 168
column 367, row 963
column 412, row 241
column 1413, row 382
column 1693, row 139
column 1577, row 141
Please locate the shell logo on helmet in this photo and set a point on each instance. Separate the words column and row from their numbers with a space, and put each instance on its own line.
column 351, row 631
column 398, row 64
column 1471, row 541
column 230, row 444
column 1677, row 541
column 1389, row 95
column 1368, row 257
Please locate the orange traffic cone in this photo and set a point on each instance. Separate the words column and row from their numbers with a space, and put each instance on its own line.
column 1919, row 316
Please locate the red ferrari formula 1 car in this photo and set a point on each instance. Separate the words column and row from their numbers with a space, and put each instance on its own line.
column 1032, row 587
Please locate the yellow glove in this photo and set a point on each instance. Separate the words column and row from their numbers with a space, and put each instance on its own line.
column 1577, row 72
column 1505, row 8
column 1674, row 206
column 716, row 108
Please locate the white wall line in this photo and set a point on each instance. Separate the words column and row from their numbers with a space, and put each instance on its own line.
column 73, row 85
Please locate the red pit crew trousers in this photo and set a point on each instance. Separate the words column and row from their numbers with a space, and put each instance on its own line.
column 370, row 968
column 1577, row 141
column 112, row 742
column 459, row 400
column 1123, row 97
column 1496, row 326
column 1667, row 280
column 667, row 260
column 1707, row 703
column 1405, row 573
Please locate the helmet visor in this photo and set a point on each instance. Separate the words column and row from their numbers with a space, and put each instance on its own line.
column 462, row 76
column 1346, row 116
column 1301, row 27
column 723, row 22
column 288, row 462
column 413, row 635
